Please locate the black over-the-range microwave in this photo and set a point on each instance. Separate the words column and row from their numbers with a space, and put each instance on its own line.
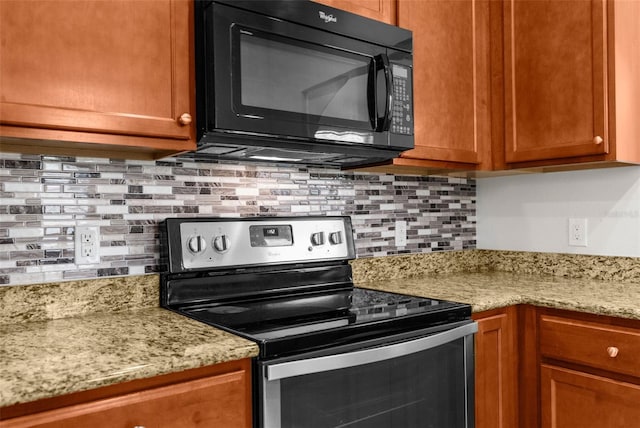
column 296, row 81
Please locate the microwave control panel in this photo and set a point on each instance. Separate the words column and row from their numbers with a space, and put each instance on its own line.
column 402, row 121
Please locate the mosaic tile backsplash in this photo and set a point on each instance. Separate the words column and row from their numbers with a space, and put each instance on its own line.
column 43, row 199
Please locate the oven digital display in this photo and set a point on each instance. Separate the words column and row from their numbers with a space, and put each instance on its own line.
column 270, row 232
column 271, row 236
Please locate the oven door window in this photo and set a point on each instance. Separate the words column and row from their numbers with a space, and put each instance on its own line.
column 423, row 389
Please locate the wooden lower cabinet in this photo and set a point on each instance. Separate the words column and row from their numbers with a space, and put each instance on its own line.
column 496, row 368
column 588, row 372
column 572, row 399
column 547, row 368
column 222, row 400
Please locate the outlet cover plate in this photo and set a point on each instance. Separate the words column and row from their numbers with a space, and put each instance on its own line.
column 578, row 232
column 401, row 233
column 87, row 244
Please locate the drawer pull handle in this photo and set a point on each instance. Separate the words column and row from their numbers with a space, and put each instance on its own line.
column 612, row 351
column 598, row 140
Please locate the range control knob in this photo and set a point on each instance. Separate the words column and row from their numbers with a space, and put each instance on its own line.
column 317, row 238
column 221, row 243
column 335, row 238
column 196, row 244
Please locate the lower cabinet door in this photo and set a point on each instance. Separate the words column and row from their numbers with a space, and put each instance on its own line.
column 496, row 382
column 217, row 401
column 572, row 399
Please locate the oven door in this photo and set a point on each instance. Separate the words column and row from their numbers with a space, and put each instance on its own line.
column 421, row 382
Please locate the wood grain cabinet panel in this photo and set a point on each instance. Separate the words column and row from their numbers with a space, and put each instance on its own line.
column 381, row 10
column 570, row 82
column 496, row 397
column 217, row 401
column 451, row 79
column 605, row 347
column 573, row 399
column 555, row 79
column 104, row 72
column 589, row 372
column 529, row 85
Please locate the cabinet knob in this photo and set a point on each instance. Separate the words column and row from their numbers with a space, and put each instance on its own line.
column 598, row 140
column 612, row 351
column 185, row 119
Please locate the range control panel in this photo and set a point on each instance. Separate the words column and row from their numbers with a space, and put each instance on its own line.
column 197, row 244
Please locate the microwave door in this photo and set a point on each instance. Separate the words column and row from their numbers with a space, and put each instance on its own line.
column 293, row 87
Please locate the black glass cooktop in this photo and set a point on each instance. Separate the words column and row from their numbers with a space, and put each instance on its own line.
column 293, row 324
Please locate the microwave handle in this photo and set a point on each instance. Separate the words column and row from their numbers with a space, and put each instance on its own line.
column 380, row 123
column 366, row 356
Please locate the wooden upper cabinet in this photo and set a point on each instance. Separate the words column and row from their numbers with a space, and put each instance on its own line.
column 451, row 86
column 451, row 79
column 115, row 73
column 555, row 79
column 381, row 10
column 572, row 81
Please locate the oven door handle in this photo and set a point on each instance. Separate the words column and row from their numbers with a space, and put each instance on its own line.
column 366, row 356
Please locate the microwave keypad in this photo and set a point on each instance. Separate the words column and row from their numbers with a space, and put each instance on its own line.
column 402, row 118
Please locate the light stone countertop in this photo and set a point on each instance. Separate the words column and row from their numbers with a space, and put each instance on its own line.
column 49, row 358
column 61, row 338
column 491, row 290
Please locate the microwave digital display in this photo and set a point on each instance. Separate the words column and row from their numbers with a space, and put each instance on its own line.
column 398, row 71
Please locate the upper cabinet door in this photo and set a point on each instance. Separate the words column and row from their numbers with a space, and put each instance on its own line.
column 109, row 67
column 381, row 10
column 555, row 57
column 451, row 80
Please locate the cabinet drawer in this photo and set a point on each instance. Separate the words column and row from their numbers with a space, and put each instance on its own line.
column 601, row 346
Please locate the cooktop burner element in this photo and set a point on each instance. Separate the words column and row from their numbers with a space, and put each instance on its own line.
column 285, row 283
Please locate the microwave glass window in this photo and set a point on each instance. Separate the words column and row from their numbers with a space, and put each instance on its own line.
column 302, row 78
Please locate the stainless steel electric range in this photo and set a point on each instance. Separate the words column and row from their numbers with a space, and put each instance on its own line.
column 331, row 354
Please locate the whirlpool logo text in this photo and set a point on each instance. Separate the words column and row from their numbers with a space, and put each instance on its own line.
column 327, row 18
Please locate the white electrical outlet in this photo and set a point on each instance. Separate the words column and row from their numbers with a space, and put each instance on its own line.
column 87, row 243
column 401, row 233
column 578, row 232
